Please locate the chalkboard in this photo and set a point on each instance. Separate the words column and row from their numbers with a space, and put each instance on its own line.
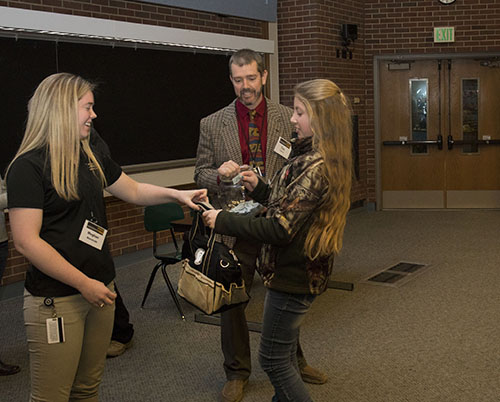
column 149, row 102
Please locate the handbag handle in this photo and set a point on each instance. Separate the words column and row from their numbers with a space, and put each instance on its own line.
column 196, row 227
column 208, row 253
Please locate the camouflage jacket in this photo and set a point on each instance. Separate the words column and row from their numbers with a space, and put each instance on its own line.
column 292, row 200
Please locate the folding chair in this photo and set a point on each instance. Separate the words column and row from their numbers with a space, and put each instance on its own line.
column 156, row 219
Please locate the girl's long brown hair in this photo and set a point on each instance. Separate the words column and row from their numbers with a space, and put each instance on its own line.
column 330, row 116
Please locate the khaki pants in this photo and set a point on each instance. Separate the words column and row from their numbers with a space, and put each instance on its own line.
column 72, row 370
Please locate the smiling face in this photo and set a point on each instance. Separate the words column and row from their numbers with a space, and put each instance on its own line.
column 301, row 120
column 248, row 82
column 86, row 114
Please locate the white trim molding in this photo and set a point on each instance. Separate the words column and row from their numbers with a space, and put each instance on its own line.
column 42, row 22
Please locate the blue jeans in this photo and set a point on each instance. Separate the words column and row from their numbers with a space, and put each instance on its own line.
column 283, row 316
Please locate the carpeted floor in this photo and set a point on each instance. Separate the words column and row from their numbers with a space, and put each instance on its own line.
column 434, row 338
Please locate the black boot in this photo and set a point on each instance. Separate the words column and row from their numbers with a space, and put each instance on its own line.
column 8, row 369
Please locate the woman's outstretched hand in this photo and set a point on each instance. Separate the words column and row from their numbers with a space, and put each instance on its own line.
column 190, row 197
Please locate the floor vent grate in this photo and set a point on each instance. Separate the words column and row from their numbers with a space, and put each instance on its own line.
column 396, row 275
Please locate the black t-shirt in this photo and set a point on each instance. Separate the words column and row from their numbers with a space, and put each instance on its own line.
column 29, row 186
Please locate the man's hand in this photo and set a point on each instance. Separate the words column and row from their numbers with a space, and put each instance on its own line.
column 228, row 169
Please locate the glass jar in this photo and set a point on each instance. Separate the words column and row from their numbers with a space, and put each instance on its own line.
column 231, row 192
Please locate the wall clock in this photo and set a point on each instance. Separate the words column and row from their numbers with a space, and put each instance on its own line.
column 447, row 1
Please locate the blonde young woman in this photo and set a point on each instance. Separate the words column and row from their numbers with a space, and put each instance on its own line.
column 58, row 220
column 302, row 229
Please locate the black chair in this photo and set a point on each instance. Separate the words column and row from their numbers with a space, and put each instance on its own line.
column 156, row 219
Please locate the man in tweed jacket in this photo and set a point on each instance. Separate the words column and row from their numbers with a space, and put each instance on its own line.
column 219, row 143
column 223, row 147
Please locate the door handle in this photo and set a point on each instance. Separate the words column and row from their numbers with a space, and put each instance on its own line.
column 452, row 142
column 438, row 142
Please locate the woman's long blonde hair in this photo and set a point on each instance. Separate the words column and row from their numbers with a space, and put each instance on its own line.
column 53, row 124
column 329, row 112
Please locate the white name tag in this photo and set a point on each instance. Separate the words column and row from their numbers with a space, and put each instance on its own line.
column 55, row 330
column 93, row 234
column 283, row 147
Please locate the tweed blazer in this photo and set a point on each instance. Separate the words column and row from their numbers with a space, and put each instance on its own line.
column 219, row 142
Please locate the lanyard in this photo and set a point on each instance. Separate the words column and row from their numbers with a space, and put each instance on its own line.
column 89, row 183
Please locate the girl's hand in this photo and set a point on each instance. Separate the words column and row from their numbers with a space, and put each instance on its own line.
column 249, row 179
column 209, row 217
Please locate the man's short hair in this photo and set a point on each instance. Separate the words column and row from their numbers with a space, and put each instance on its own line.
column 246, row 56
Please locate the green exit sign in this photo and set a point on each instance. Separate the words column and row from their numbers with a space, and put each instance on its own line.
column 444, row 34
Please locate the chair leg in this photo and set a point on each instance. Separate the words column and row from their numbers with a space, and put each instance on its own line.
column 172, row 290
column 151, row 279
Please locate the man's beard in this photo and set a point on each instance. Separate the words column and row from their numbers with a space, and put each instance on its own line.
column 252, row 92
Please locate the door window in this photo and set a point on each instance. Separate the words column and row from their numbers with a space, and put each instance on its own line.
column 418, row 96
column 470, row 112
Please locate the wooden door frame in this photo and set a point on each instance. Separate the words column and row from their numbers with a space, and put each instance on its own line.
column 376, row 97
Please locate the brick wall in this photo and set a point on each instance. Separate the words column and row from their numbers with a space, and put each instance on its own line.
column 308, row 39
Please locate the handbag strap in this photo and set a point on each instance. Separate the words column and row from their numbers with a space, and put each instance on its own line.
column 206, row 261
column 196, row 227
column 208, row 253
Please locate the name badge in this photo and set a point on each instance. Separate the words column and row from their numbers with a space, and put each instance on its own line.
column 55, row 330
column 283, row 147
column 93, row 234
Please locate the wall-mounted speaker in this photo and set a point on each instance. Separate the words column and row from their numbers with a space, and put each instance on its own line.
column 349, row 32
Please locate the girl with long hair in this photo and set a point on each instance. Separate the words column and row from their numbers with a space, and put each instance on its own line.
column 302, row 228
column 58, row 221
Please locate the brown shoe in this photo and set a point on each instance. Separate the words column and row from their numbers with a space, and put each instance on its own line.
column 313, row 376
column 117, row 348
column 233, row 390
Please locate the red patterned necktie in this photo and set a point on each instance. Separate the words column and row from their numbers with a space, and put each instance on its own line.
column 254, row 144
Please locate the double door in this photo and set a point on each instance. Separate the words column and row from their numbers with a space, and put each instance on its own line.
column 440, row 133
